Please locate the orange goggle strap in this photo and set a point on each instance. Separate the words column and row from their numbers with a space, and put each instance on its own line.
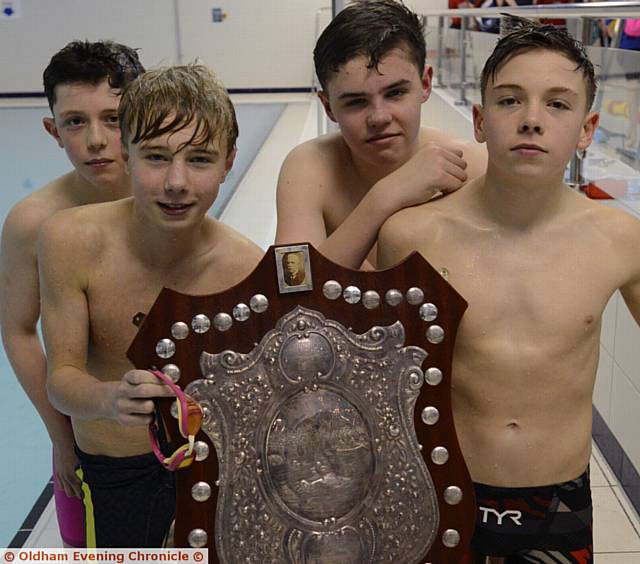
column 189, row 422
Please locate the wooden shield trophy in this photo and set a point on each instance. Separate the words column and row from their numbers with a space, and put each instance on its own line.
column 327, row 433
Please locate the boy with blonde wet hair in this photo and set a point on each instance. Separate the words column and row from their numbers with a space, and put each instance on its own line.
column 537, row 263
column 102, row 264
column 82, row 83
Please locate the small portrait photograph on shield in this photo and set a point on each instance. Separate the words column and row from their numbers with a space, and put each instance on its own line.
column 294, row 269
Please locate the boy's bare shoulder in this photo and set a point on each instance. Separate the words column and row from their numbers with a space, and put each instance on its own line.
column 235, row 241
column 411, row 229
column 25, row 219
column 234, row 251
column 329, row 145
column 417, row 220
column 428, row 226
column 83, row 230
column 320, row 155
column 611, row 219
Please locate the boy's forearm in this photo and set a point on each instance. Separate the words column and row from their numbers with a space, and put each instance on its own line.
column 351, row 242
column 78, row 394
column 24, row 351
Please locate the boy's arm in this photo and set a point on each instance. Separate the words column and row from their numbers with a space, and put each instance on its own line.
column 19, row 312
column 395, row 241
column 631, row 295
column 431, row 170
column 65, row 259
column 299, row 197
column 629, row 229
column 475, row 154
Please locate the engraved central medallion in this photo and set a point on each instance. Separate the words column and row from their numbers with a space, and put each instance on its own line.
column 306, row 356
column 320, row 456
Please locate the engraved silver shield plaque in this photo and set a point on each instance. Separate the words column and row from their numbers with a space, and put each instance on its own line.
column 319, row 462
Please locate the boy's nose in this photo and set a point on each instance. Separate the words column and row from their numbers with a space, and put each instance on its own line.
column 96, row 137
column 531, row 123
column 378, row 116
column 176, row 178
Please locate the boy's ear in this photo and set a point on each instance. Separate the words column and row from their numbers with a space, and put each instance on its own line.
column 478, row 123
column 229, row 163
column 51, row 129
column 427, row 82
column 325, row 104
column 589, row 126
column 125, row 157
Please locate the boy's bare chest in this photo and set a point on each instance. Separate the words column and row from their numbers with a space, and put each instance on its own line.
column 340, row 199
column 120, row 288
column 115, row 297
column 533, row 289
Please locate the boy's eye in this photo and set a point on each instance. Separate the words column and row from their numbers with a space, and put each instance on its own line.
column 396, row 92
column 112, row 120
column 200, row 160
column 155, row 157
column 509, row 101
column 559, row 105
column 73, row 121
column 354, row 102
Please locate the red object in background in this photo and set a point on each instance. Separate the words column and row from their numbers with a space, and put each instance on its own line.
column 455, row 4
column 553, row 21
column 606, row 189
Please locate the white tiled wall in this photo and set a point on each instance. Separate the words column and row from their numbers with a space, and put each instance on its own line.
column 602, row 391
column 617, row 391
column 625, row 412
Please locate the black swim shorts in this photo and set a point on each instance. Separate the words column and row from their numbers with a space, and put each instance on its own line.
column 129, row 501
column 541, row 524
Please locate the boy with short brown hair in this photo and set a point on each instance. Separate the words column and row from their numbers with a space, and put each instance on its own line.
column 537, row 263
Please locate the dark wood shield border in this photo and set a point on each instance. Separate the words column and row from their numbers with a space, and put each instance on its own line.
column 415, row 271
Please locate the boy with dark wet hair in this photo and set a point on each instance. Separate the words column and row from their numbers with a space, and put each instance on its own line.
column 102, row 264
column 370, row 29
column 337, row 190
column 82, row 82
column 86, row 62
column 537, row 263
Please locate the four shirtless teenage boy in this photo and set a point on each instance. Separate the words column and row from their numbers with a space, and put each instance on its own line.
column 536, row 262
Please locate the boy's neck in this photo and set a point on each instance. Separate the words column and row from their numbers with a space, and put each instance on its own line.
column 163, row 247
column 518, row 203
column 85, row 192
column 369, row 173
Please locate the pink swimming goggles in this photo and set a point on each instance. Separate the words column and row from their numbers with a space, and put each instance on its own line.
column 189, row 423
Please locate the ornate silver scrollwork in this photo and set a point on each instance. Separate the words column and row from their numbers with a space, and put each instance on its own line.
column 319, row 461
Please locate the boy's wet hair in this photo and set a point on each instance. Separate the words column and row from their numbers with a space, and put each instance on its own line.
column 170, row 99
column 370, row 28
column 91, row 62
column 527, row 36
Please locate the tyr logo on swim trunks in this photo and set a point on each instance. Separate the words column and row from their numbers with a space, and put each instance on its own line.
column 513, row 513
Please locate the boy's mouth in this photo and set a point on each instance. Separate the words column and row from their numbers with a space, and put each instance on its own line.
column 174, row 209
column 382, row 137
column 98, row 162
column 528, row 148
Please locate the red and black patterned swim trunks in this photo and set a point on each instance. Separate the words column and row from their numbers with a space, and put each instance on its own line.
column 537, row 524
